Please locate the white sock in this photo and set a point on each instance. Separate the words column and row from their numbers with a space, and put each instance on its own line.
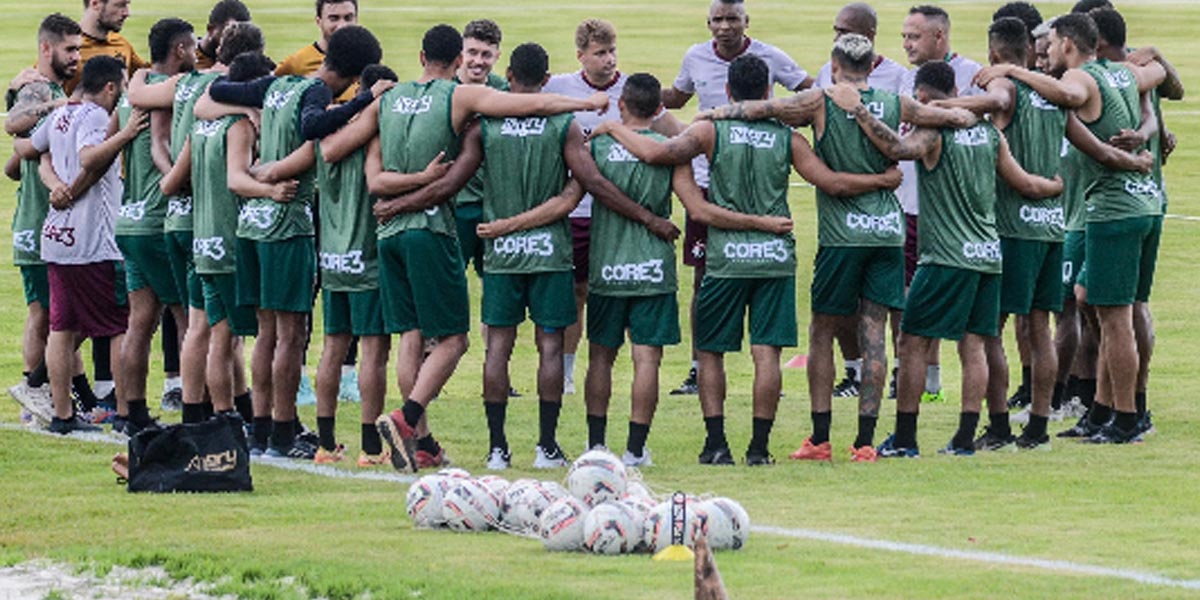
column 102, row 388
column 172, row 383
column 347, row 370
column 933, row 379
column 856, row 366
column 569, row 366
column 695, row 364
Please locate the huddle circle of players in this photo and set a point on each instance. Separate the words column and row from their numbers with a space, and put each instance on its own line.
column 225, row 189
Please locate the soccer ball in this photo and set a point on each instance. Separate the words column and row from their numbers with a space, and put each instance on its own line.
column 609, row 529
column 525, row 500
column 639, row 490
column 561, row 524
column 640, row 508
column 455, row 473
column 656, row 529
column 596, row 477
column 496, row 483
column 424, row 500
column 470, row 506
column 728, row 523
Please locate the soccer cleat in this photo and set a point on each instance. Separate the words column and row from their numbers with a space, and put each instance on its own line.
column 256, row 449
column 348, row 387
column 499, row 459
column 34, row 400
column 1145, row 424
column 991, row 441
column 1028, row 442
column 1022, row 417
column 1021, row 398
column 1083, row 429
column 952, row 450
column 328, row 457
column 131, row 428
column 402, row 439
column 513, row 393
column 864, row 454
column 1057, row 414
column 366, row 461
column 1073, row 409
column 549, row 458
column 569, row 384
column 937, row 396
column 305, row 396
column 847, row 387
column 75, row 423
column 630, row 460
column 172, row 400
column 888, row 449
column 810, row 451
column 892, row 384
column 689, row 385
column 1111, row 434
column 299, row 449
column 757, row 459
column 426, row 460
column 716, row 456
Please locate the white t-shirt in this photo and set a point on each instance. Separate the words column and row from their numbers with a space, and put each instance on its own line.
column 576, row 85
column 83, row 233
column 887, row 74
column 705, row 73
column 964, row 71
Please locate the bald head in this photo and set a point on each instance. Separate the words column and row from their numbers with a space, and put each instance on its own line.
column 858, row 18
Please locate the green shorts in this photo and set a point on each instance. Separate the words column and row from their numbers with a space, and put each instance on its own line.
column 1120, row 260
column 843, row 275
column 37, row 285
column 949, row 302
column 1032, row 278
column 148, row 266
column 721, row 310
column 468, row 217
column 422, row 284
column 279, row 276
column 550, row 298
column 183, row 270
column 220, row 303
column 651, row 320
column 1074, row 251
column 355, row 313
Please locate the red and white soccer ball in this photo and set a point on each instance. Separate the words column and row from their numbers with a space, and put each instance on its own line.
column 656, row 529
column 611, row 528
column 470, row 505
column 455, row 473
column 525, row 500
column 596, row 477
column 561, row 524
column 424, row 500
column 496, row 483
column 728, row 523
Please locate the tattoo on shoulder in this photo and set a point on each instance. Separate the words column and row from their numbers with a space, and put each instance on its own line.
column 33, row 94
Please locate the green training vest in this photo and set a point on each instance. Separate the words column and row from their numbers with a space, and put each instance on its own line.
column 188, row 90
column 751, row 164
column 143, row 206
column 415, row 123
column 625, row 258
column 525, row 168
column 33, row 202
column 1035, row 138
column 264, row 219
column 472, row 193
column 871, row 219
column 216, row 208
column 957, row 227
column 348, row 255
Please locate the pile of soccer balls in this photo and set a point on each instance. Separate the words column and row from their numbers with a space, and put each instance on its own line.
column 600, row 509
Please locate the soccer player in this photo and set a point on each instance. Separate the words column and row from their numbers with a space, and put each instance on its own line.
column 332, row 15
column 58, row 59
column 596, row 49
column 704, row 72
column 754, row 269
column 1123, row 207
column 139, row 227
column 859, row 273
column 422, row 279
column 222, row 14
column 955, row 293
column 101, row 24
column 86, row 282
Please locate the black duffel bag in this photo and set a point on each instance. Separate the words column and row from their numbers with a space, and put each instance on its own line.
column 195, row 457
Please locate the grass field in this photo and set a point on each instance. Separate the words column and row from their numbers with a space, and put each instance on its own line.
column 1134, row 508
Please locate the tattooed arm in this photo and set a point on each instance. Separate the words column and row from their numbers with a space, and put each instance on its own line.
column 696, row 139
column 34, row 101
column 815, row 171
column 683, row 182
column 924, row 115
column 796, row 110
column 1172, row 87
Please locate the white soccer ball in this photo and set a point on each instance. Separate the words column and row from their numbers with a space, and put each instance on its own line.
column 561, row 524
column 728, row 523
column 455, row 473
column 640, row 508
column 496, row 483
column 470, row 506
column 610, row 529
column 656, row 529
column 424, row 500
column 596, row 477
column 638, row 489
column 525, row 500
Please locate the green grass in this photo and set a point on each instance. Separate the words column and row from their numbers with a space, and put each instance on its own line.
column 1132, row 507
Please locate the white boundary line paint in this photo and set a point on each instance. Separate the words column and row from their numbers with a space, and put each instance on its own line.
column 991, row 558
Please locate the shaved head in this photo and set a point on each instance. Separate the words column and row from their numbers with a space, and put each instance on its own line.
column 859, row 18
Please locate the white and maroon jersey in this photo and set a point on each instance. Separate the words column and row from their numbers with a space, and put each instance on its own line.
column 964, row 72
column 83, row 233
column 887, row 74
column 705, row 73
column 576, row 85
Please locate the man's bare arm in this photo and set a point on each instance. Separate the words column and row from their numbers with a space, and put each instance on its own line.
column 815, row 171
column 97, row 158
column 383, row 183
column 34, row 101
column 470, row 100
column 295, row 164
column 1071, row 91
column 1110, row 156
column 1025, row 183
column 924, row 115
column 353, row 136
column 174, row 181
column 675, row 99
column 238, row 156
column 997, row 99
column 160, row 140
column 12, row 168
column 694, row 140
column 24, row 149
column 554, row 209
column 702, row 211
column 152, row 96
column 439, row 191
column 1172, row 86
column 796, row 110
column 916, row 145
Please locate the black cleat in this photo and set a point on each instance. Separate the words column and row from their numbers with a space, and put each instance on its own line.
column 716, row 456
column 847, row 387
column 755, row 459
column 991, row 441
column 1021, row 398
column 689, row 385
column 1083, row 429
column 1111, row 434
column 1028, row 442
column 1145, row 425
column 75, row 423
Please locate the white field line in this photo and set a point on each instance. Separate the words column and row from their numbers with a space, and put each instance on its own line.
column 991, row 558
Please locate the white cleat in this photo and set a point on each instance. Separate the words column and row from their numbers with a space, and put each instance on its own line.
column 498, row 460
column 552, row 459
column 637, row 461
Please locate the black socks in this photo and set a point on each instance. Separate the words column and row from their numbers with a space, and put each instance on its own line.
column 964, row 438
column 371, row 444
column 548, row 423
column 637, row 438
column 193, row 413
column 412, row 412
column 998, row 424
column 906, row 430
column 821, row 421
column 597, row 426
column 496, row 412
column 325, row 433
column 866, row 431
column 760, row 438
column 262, row 430
column 244, row 406
column 715, row 427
